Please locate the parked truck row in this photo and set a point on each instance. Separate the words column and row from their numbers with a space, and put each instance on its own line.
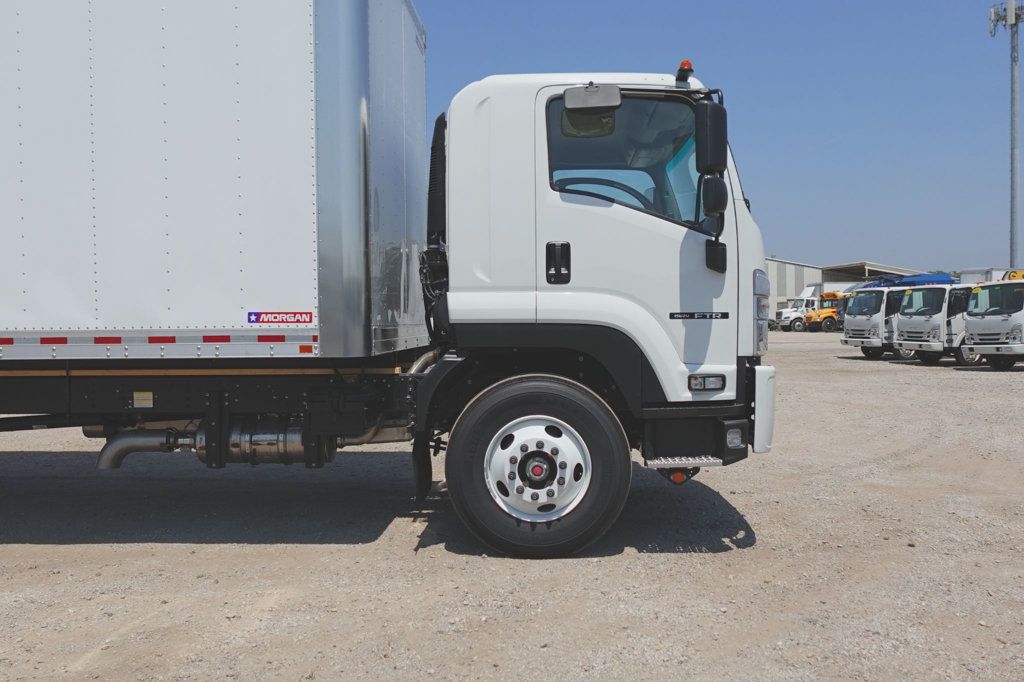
column 934, row 316
column 221, row 238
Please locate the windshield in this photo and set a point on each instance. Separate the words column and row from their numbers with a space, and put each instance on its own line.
column 998, row 299
column 830, row 303
column 923, row 302
column 865, row 303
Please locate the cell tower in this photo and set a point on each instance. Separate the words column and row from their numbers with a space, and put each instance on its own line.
column 1006, row 15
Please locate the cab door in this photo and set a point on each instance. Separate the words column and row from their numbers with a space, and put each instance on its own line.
column 615, row 190
column 956, row 313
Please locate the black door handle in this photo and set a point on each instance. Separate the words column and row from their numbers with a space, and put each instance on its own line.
column 559, row 263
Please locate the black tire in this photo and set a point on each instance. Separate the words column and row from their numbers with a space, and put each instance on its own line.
column 1000, row 363
column 929, row 357
column 966, row 359
column 904, row 354
column 828, row 325
column 798, row 325
column 872, row 353
column 575, row 405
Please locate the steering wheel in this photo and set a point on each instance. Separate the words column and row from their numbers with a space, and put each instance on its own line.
column 635, row 193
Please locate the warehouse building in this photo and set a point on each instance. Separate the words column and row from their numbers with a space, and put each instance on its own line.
column 790, row 278
column 862, row 271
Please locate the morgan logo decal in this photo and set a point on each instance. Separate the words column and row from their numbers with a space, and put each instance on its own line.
column 280, row 318
column 698, row 316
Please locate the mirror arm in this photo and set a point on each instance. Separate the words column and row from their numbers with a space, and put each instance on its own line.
column 700, row 189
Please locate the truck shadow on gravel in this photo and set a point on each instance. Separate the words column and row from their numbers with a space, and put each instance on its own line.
column 60, row 499
column 1016, row 369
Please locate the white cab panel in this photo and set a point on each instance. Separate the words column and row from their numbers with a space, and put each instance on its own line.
column 633, row 271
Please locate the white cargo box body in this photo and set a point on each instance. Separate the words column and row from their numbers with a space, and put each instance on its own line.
column 210, row 178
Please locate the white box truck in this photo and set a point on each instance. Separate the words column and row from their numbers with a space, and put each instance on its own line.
column 932, row 323
column 220, row 238
column 870, row 321
column 995, row 321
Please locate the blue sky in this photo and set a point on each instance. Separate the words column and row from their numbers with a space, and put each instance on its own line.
column 862, row 130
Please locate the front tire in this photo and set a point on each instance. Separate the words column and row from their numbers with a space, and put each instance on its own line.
column 965, row 359
column 538, row 466
column 872, row 353
column 904, row 354
column 798, row 325
column 1001, row 363
column 828, row 325
column 929, row 357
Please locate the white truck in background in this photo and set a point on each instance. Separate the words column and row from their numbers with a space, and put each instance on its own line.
column 791, row 318
column 932, row 322
column 215, row 213
column 995, row 321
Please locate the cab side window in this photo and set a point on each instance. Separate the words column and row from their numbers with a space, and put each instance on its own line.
column 892, row 304
column 957, row 302
column 641, row 155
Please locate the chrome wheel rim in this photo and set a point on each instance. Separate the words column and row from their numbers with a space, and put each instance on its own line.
column 537, row 468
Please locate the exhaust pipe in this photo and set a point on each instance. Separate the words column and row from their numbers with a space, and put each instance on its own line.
column 250, row 441
column 126, row 443
column 422, row 362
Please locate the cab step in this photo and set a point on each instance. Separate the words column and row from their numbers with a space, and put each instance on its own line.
column 683, row 462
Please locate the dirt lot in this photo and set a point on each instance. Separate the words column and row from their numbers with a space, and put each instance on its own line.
column 883, row 538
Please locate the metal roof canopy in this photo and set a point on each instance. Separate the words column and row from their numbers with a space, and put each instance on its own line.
column 862, row 271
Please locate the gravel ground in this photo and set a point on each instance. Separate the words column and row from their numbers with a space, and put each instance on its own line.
column 883, row 538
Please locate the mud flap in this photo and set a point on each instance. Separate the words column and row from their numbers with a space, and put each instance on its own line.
column 422, row 469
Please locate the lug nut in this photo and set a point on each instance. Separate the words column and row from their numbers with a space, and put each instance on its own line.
column 524, row 448
column 513, row 459
column 551, row 493
column 540, row 445
column 562, row 465
column 554, row 452
column 519, row 490
column 535, row 497
column 561, row 480
column 511, row 475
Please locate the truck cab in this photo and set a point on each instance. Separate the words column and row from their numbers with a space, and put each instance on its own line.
column 791, row 318
column 995, row 320
column 932, row 323
column 871, row 320
column 591, row 239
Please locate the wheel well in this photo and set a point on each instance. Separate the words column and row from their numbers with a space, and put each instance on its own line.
column 483, row 368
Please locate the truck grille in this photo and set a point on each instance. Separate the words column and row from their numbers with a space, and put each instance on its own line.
column 996, row 337
column 857, row 333
column 913, row 336
column 778, row 315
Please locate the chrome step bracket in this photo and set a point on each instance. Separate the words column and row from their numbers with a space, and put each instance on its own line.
column 683, row 462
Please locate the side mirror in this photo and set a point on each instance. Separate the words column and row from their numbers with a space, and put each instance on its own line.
column 714, row 199
column 711, row 138
column 714, row 195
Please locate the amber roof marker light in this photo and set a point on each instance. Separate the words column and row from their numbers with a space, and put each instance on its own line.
column 684, row 73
